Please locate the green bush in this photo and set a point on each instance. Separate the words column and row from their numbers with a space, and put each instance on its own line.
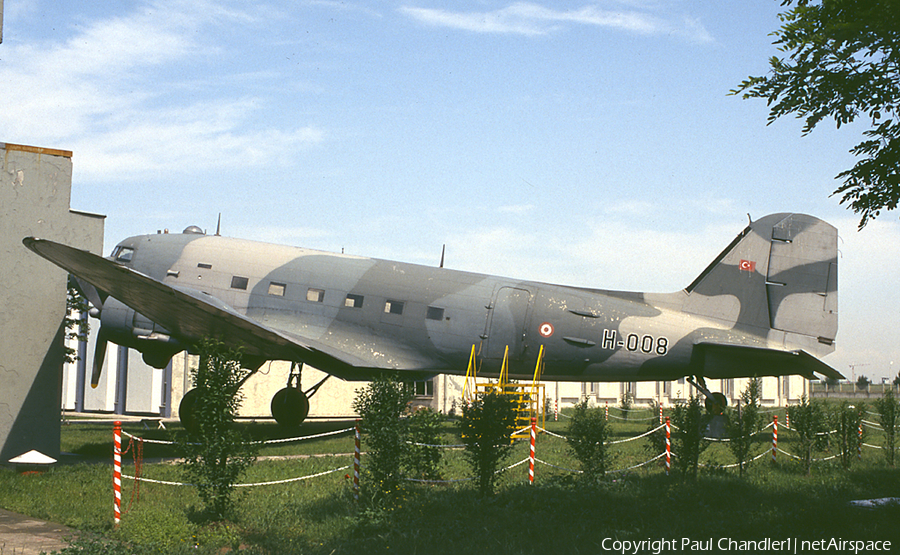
column 846, row 421
column 743, row 423
column 888, row 414
column 808, row 420
column 485, row 427
column 587, row 434
column 380, row 406
column 690, row 421
column 421, row 458
column 215, row 454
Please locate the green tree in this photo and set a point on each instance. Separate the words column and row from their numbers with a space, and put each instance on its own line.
column 422, row 458
column 808, row 420
column 863, row 382
column 215, row 453
column 76, row 326
column 842, row 62
column 690, row 421
column 586, row 435
column 888, row 415
column 846, row 420
column 485, row 427
column 743, row 423
column 380, row 406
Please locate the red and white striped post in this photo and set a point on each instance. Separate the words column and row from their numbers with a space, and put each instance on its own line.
column 668, row 447
column 356, row 464
column 556, row 410
column 787, row 419
column 660, row 414
column 531, row 455
column 607, row 410
column 859, row 442
column 774, row 435
column 117, row 471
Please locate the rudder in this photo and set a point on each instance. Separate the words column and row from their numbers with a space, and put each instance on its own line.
column 782, row 271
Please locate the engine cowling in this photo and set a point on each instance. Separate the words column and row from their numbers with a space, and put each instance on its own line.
column 124, row 326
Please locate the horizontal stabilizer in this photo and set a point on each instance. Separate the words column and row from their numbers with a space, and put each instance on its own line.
column 721, row 361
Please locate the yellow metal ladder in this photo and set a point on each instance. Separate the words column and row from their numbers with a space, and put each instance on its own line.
column 527, row 398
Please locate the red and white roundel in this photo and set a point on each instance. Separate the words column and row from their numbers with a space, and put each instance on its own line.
column 546, row 329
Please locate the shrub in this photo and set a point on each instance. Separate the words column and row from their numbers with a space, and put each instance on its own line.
column 587, row 435
column 889, row 413
column 743, row 423
column 690, row 421
column 380, row 406
column 420, row 458
column 485, row 427
column 808, row 420
column 846, row 420
column 215, row 454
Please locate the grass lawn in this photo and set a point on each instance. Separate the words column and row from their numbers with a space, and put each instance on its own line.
column 559, row 514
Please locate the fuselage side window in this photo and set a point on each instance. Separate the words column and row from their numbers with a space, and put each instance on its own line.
column 238, row 282
column 314, row 295
column 435, row 313
column 277, row 289
column 353, row 301
column 393, row 307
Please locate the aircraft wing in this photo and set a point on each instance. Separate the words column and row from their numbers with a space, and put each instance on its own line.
column 718, row 361
column 190, row 314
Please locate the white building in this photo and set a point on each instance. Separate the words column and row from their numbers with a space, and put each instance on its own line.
column 128, row 386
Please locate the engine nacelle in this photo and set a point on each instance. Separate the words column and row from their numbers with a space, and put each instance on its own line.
column 124, row 326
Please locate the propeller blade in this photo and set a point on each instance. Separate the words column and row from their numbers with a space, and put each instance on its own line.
column 99, row 356
column 90, row 293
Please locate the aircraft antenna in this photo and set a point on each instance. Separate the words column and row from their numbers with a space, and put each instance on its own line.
column 443, row 250
column 219, row 225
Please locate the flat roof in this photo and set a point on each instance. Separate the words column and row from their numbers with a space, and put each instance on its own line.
column 37, row 149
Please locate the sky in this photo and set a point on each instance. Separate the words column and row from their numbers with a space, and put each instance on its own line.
column 577, row 142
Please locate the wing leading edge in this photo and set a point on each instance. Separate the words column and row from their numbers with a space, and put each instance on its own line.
column 190, row 314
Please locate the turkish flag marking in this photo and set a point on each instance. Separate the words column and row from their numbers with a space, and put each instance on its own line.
column 748, row 266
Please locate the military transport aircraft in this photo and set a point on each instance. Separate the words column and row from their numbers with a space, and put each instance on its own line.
column 766, row 306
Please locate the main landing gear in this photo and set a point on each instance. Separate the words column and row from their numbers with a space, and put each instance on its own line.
column 289, row 406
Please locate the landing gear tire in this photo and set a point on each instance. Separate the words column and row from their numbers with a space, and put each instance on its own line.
column 187, row 408
column 716, row 403
column 290, row 407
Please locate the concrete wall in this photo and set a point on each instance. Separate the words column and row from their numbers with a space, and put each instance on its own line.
column 35, row 186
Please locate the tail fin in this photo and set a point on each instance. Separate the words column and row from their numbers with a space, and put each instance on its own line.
column 782, row 271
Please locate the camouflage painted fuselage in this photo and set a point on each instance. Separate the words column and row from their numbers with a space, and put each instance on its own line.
column 766, row 304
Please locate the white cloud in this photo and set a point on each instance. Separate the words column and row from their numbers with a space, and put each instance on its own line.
column 113, row 92
column 525, row 18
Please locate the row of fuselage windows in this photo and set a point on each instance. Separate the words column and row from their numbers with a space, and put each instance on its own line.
column 352, row 300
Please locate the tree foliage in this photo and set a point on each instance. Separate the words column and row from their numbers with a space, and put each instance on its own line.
column 75, row 323
column 380, row 405
column 846, row 421
column 690, row 421
column 216, row 454
column 485, row 427
column 423, row 458
column 888, row 416
column 587, row 435
column 842, row 62
column 743, row 422
column 809, row 421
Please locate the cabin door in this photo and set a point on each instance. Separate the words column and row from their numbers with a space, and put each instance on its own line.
column 508, row 321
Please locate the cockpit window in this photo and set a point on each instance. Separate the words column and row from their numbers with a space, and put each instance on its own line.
column 123, row 254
